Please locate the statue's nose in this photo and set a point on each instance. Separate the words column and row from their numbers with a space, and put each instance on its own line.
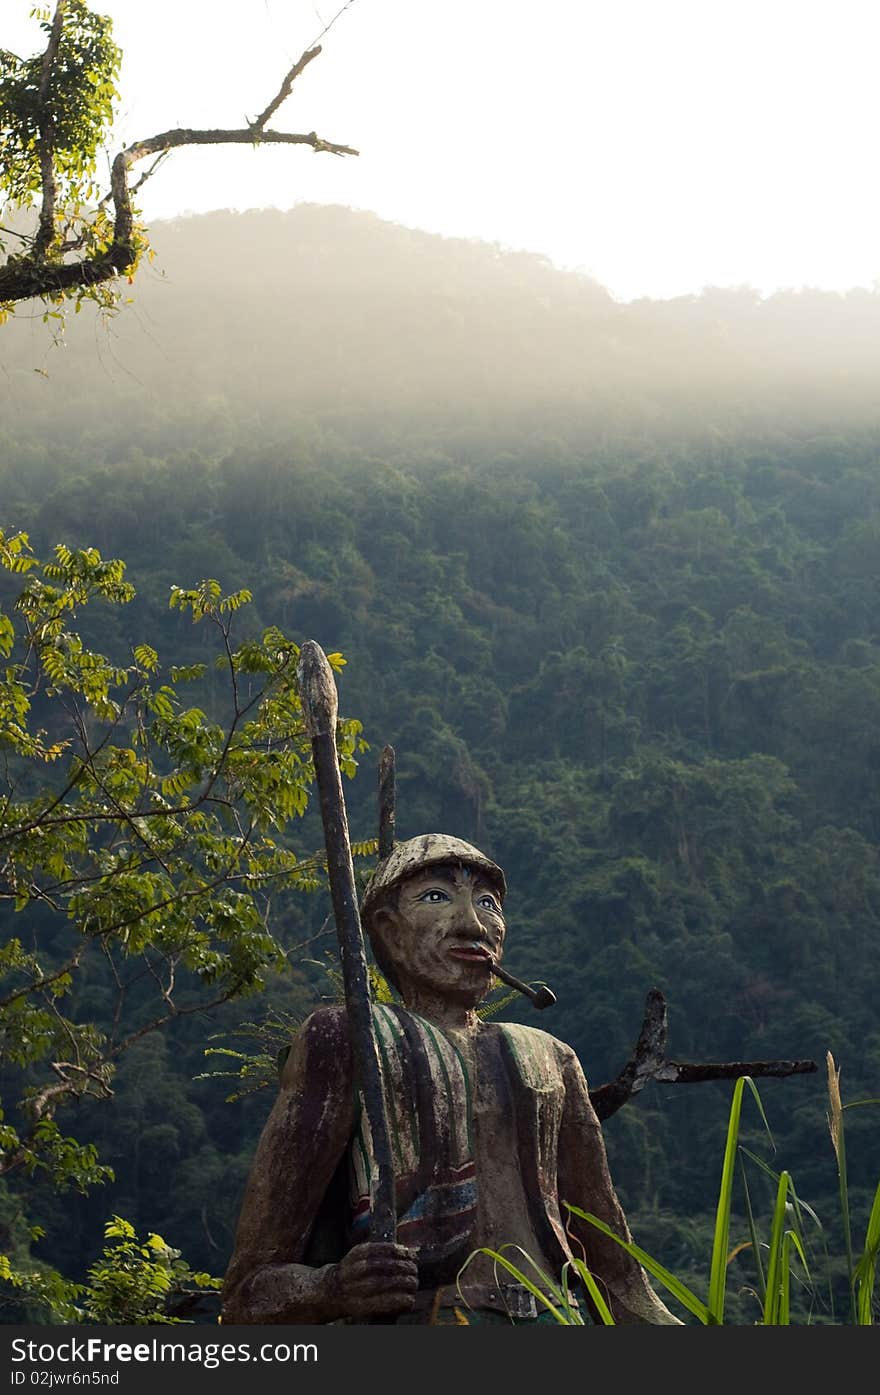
column 468, row 917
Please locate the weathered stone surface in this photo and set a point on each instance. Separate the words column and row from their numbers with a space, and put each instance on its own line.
column 427, row 850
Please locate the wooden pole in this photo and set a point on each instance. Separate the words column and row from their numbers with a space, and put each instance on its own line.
column 387, row 801
column 317, row 690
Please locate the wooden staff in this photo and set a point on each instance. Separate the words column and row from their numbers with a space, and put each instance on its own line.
column 387, row 800
column 317, row 690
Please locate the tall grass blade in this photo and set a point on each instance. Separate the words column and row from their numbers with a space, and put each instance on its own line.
column 595, row 1293
column 757, row 1098
column 793, row 1240
column 799, row 1201
column 521, row 1278
column 573, row 1315
column 784, row 1310
column 685, row 1296
column 835, row 1126
column 799, row 1241
column 802, row 1208
column 867, row 1265
column 718, row 1272
column 775, row 1255
column 753, row 1235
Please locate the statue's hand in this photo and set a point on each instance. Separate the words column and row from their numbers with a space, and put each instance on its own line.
column 373, row 1279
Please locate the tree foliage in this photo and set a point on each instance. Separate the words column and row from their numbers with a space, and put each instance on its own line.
column 63, row 99
column 141, row 840
column 134, row 1281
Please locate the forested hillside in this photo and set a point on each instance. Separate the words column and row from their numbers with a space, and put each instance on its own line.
column 606, row 576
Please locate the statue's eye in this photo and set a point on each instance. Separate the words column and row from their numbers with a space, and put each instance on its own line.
column 433, row 896
column 488, row 903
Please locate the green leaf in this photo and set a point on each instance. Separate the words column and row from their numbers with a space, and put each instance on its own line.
column 867, row 1265
column 777, row 1270
column 147, row 657
column 720, row 1245
column 679, row 1290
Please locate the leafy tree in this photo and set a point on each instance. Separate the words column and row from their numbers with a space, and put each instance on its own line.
column 141, row 840
column 56, row 111
column 131, row 1283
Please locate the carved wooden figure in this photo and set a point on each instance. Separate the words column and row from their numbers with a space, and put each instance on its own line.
column 491, row 1128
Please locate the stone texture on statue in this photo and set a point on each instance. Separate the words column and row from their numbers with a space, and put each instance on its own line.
column 491, row 1124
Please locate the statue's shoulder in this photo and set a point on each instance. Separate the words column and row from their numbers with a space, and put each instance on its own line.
column 321, row 1047
column 535, row 1052
column 330, row 1021
column 541, row 1041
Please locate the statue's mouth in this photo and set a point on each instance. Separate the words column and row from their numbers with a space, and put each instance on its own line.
column 472, row 951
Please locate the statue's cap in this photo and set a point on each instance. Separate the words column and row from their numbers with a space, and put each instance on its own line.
column 428, row 850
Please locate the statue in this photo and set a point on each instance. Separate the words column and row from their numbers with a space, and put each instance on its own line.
column 491, row 1130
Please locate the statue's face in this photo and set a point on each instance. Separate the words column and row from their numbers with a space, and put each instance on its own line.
column 442, row 913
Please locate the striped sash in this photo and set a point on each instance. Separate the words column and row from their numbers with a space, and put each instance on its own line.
column 429, row 1107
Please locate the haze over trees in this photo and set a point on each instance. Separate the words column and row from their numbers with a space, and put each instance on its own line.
column 606, row 578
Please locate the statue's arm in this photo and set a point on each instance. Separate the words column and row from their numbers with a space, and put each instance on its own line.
column 585, row 1180
column 302, row 1142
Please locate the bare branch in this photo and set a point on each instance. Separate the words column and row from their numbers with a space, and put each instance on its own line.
column 152, row 170
column 121, row 987
column 284, row 90
column 648, row 1062
column 158, row 1022
column 13, row 232
column 44, row 980
column 325, row 929
column 692, row 1072
column 43, row 1104
column 249, row 135
column 330, row 23
column 122, row 814
column 108, row 816
column 165, row 990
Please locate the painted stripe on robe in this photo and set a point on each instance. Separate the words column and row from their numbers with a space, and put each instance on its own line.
column 428, row 1102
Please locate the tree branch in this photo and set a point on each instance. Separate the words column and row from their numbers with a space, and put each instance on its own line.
column 170, row 1016
column 648, row 1062
column 44, row 980
column 46, row 127
column 284, row 90
column 28, row 276
column 249, row 135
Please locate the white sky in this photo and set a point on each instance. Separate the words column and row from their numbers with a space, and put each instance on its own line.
column 660, row 145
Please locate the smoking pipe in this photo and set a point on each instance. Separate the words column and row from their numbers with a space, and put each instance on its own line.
column 540, row 997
